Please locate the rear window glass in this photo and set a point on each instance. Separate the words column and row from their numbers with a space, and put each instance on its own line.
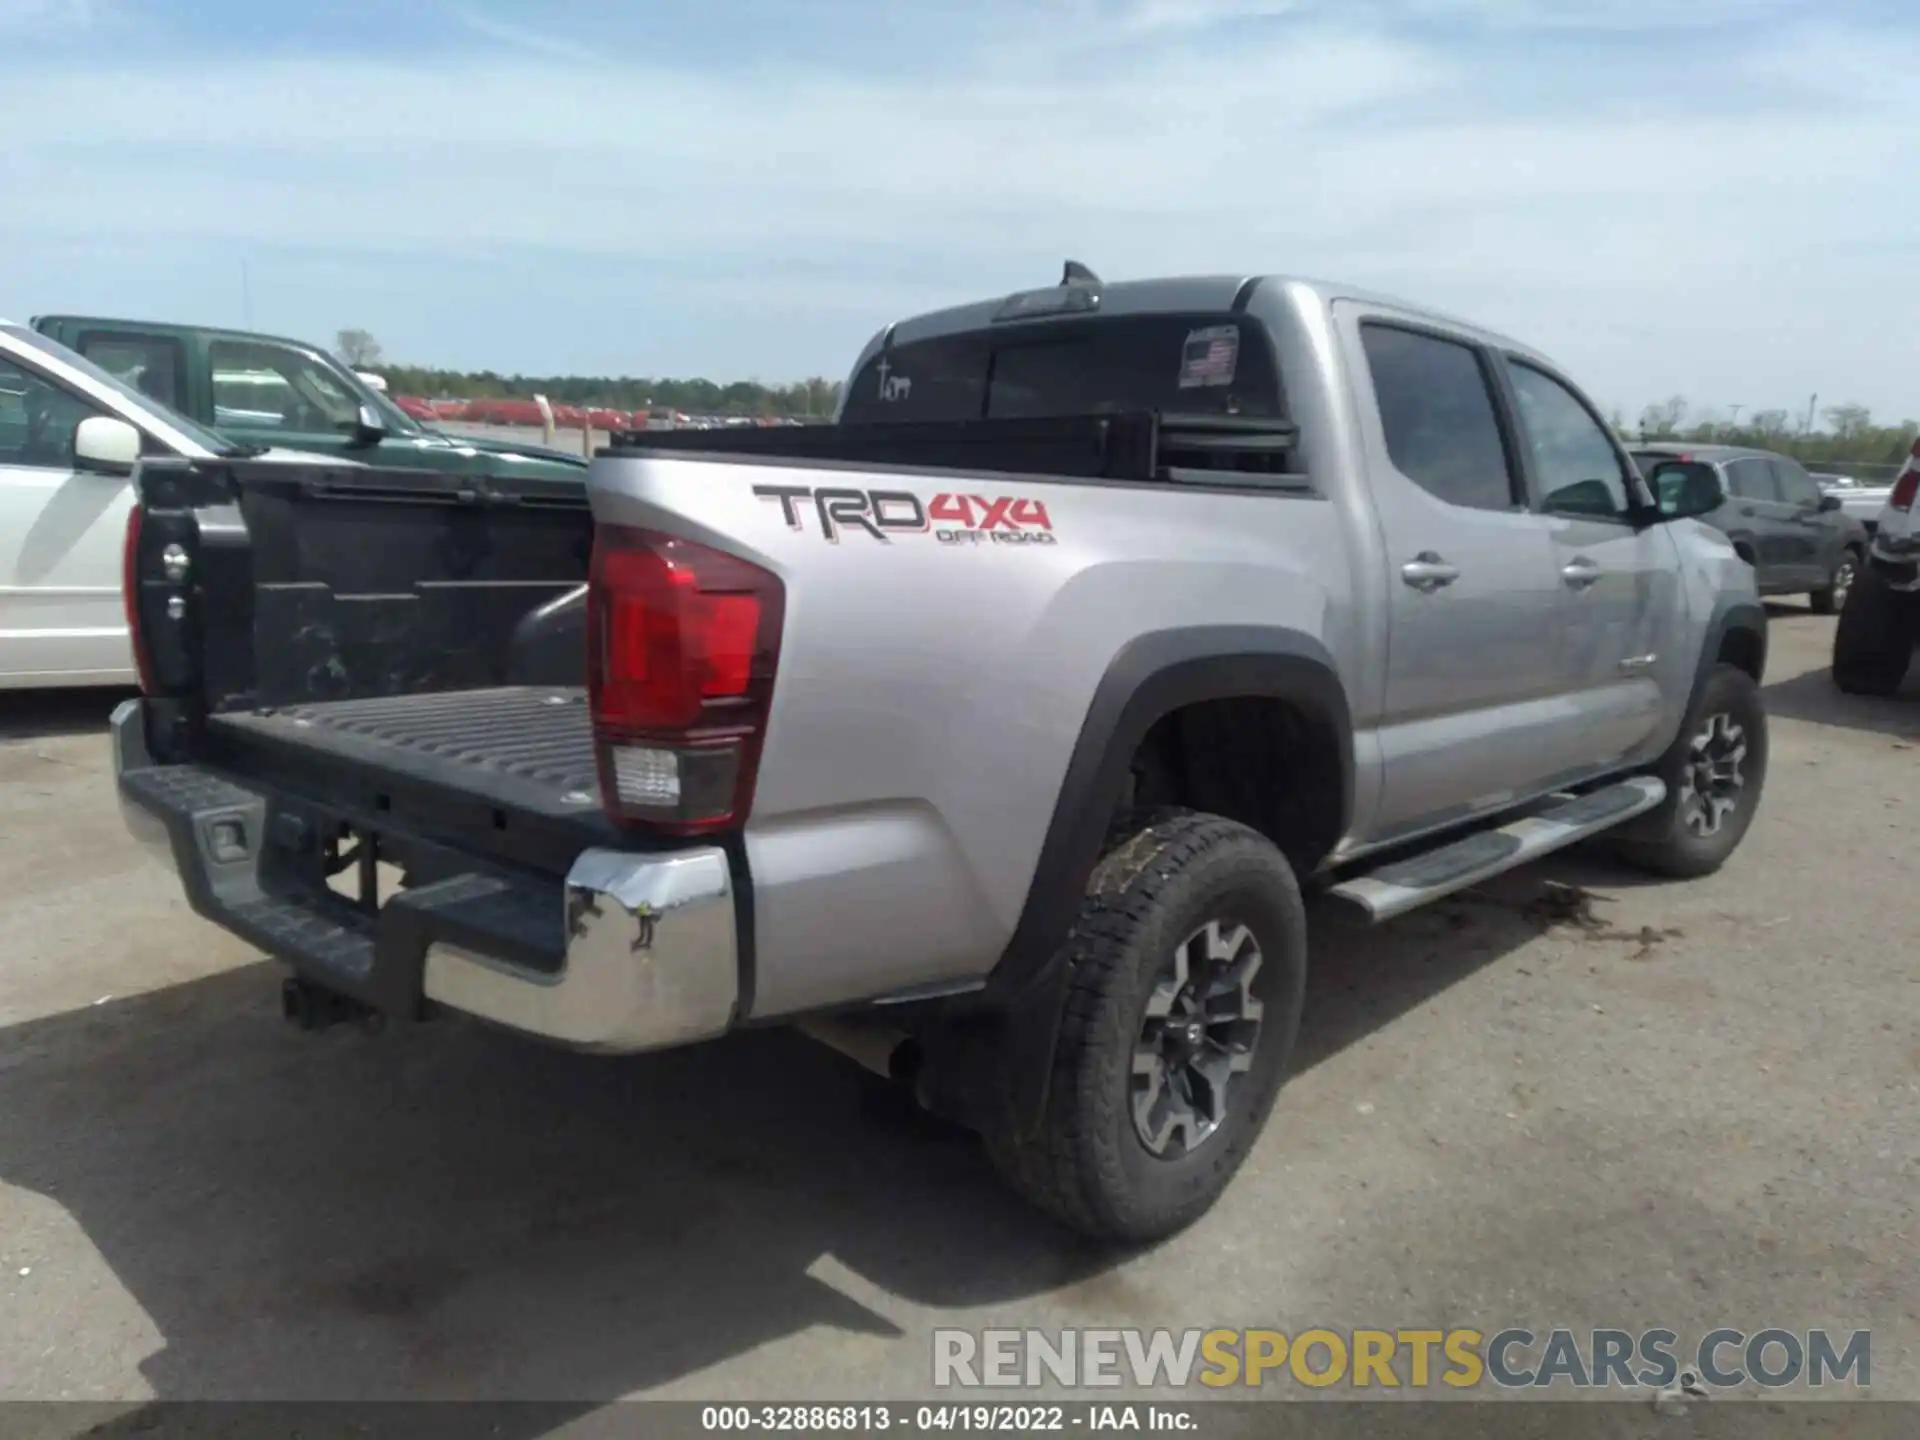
column 1175, row 364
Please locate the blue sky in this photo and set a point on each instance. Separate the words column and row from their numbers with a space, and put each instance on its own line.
column 1714, row 198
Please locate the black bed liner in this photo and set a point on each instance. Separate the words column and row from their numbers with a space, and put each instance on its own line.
column 536, row 740
column 510, row 769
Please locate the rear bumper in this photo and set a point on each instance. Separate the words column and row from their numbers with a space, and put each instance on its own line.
column 650, row 959
column 630, row 952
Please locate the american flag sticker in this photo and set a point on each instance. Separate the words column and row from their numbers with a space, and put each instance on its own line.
column 1209, row 357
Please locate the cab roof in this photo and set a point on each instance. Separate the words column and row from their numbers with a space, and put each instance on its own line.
column 168, row 327
column 1219, row 292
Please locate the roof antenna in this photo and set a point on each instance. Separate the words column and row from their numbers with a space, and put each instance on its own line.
column 1078, row 274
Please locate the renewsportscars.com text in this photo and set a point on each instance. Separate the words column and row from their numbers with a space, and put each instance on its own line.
column 1460, row 1359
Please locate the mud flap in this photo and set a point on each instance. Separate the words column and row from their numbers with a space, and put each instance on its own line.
column 992, row 1072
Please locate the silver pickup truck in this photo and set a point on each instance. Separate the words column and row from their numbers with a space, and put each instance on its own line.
column 992, row 733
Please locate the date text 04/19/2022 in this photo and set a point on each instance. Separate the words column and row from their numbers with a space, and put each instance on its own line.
column 943, row 1418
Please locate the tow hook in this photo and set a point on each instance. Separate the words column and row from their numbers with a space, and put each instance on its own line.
column 312, row 1007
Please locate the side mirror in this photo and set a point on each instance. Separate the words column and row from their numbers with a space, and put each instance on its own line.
column 368, row 427
column 104, row 445
column 1829, row 503
column 1587, row 497
column 1686, row 489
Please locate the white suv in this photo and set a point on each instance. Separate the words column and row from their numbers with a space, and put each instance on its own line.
column 1880, row 625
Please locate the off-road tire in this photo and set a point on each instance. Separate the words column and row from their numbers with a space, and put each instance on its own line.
column 1662, row 842
column 1165, row 876
column 1824, row 601
column 1873, row 644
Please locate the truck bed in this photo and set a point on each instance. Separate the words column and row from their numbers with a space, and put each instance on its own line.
column 514, row 761
column 527, row 745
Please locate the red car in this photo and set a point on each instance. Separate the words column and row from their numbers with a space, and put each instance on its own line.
column 506, row 412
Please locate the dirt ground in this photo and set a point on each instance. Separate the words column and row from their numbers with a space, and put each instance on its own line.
column 1692, row 1105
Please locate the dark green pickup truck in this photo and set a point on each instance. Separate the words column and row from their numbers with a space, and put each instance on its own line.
column 265, row 390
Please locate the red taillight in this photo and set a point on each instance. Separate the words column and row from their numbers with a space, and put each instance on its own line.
column 1905, row 488
column 130, row 601
column 682, row 643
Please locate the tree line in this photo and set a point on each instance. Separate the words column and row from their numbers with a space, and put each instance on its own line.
column 815, row 397
column 1851, row 435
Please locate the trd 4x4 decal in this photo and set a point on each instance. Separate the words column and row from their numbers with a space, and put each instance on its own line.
column 952, row 519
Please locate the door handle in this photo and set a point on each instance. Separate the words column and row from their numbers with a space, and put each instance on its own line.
column 1427, row 572
column 1580, row 572
column 1746, row 510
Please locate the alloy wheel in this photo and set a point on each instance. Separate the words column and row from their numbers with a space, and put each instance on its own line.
column 1715, row 777
column 1842, row 583
column 1200, row 1031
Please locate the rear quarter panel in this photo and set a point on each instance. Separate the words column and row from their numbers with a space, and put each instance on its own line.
column 929, row 695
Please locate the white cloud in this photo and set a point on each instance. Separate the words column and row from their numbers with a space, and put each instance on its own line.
column 1506, row 16
column 1160, row 17
column 524, row 38
column 636, row 161
column 1624, row 16
column 1726, row 234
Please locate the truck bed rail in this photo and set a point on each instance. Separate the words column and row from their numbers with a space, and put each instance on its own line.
column 1141, row 447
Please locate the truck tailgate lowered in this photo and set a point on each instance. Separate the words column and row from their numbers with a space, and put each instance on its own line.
column 527, row 746
column 631, row 951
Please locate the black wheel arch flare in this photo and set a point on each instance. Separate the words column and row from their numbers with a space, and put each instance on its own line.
column 1743, row 620
column 1152, row 676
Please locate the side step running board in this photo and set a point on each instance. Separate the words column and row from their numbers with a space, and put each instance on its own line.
column 1405, row 885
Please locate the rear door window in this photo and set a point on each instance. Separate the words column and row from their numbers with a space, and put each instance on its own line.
column 1797, row 487
column 1169, row 363
column 1752, row 480
column 1437, row 412
column 151, row 364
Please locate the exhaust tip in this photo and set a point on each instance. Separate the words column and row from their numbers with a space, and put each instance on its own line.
column 875, row 1048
